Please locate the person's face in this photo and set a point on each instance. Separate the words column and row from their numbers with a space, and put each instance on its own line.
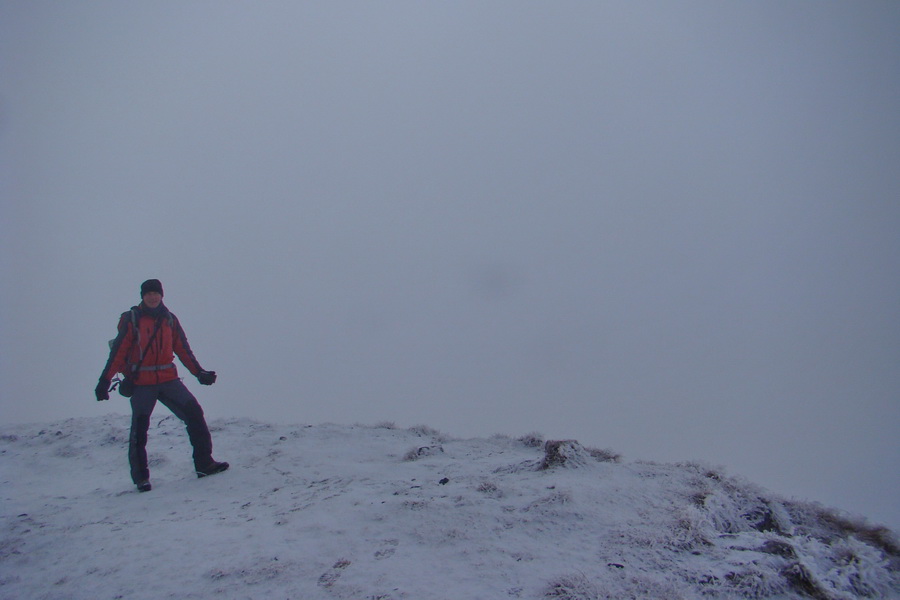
column 152, row 299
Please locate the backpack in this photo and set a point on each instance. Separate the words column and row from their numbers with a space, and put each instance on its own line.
column 134, row 322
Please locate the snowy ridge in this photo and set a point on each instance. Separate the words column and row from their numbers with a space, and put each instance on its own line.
column 377, row 512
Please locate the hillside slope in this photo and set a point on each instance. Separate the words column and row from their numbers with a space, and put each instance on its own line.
column 362, row 512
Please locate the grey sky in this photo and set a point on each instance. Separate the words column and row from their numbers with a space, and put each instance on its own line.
column 670, row 229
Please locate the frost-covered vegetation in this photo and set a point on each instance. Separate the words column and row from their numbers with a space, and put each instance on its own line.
column 382, row 512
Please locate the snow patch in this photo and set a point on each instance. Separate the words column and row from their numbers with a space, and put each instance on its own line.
column 335, row 511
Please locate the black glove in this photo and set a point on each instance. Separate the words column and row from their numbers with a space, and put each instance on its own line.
column 206, row 377
column 102, row 389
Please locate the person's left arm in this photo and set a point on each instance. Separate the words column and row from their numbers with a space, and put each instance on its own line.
column 183, row 350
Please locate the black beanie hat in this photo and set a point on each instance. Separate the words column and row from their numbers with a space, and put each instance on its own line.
column 151, row 285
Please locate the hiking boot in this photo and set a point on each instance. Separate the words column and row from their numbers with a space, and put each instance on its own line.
column 212, row 468
column 144, row 486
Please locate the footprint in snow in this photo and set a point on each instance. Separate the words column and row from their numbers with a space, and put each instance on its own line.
column 330, row 577
column 388, row 550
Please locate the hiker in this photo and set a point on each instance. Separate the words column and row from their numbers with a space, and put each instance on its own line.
column 143, row 352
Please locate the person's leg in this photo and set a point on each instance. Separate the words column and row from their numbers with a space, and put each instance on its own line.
column 177, row 398
column 142, row 402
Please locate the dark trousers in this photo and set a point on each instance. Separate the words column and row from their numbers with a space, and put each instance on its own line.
column 178, row 399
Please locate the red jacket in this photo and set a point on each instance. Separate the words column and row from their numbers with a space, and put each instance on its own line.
column 159, row 353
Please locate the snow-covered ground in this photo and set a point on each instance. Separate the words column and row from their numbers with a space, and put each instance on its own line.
column 376, row 512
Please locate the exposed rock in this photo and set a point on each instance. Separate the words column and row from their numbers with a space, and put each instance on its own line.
column 568, row 454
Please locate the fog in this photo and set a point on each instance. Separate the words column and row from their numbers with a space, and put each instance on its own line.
column 666, row 229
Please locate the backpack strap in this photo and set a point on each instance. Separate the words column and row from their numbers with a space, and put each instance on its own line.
column 137, row 333
column 137, row 367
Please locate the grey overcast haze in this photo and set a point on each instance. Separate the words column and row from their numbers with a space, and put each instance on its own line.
column 671, row 229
